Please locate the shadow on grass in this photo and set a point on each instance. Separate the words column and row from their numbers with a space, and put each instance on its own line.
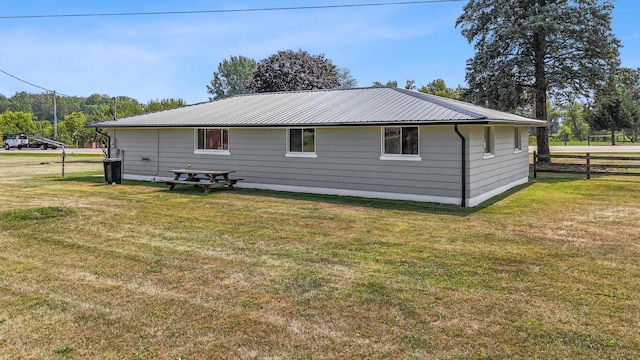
column 550, row 177
column 400, row 205
column 557, row 177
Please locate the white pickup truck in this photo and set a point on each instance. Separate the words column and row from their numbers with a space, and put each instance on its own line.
column 23, row 141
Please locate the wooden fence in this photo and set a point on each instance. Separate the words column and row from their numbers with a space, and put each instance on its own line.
column 586, row 164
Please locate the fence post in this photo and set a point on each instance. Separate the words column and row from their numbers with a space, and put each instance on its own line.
column 588, row 166
column 535, row 160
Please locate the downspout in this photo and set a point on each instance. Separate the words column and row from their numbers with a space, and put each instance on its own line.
column 463, row 165
column 108, row 142
column 158, row 153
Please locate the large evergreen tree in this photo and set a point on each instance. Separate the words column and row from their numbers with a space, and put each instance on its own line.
column 527, row 50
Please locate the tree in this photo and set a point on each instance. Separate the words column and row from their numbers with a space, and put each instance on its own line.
column 42, row 106
column 232, row 78
column 614, row 113
column 554, row 115
column 126, row 106
column 98, row 107
column 73, row 130
column 410, row 84
column 390, row 83
column 345, row 79
column 573, row 118
column 21, row 102
column 15, row 122
column 4, row 103
column 565, row 133
column 439, row 88
column 529, row 50
column 290, row 70
column 68, row 104
column 628, row 80
column 164, row 104
column 42, row 128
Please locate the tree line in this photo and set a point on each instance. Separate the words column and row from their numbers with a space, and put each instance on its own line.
column 26, row 113
column 286, row 70
column 571, row 116
column 289, row 70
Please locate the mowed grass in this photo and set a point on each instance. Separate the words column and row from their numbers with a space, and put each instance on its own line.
column 133, row 271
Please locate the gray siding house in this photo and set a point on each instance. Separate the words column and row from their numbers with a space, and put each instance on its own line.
column 369, row 142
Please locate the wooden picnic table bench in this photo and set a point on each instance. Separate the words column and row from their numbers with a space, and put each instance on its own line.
column 206, row 179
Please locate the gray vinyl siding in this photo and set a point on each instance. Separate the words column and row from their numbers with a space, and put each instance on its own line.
column 347, row 158
column 505, row 167
column 134, row 147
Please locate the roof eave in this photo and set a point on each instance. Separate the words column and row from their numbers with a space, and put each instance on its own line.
column 536, row 123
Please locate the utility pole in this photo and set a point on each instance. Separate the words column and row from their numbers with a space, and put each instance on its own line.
column 55, row 117
column 115, row 112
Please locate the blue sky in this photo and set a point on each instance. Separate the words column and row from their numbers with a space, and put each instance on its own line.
column 163, row 56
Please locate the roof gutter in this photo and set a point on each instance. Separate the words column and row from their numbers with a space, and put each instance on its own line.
column 297, row 125
column 462, row 166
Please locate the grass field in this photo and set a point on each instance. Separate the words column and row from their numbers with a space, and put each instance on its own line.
column 133, row 271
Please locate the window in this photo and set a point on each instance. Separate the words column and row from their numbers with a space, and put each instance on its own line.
column 488, row 141
column 213, row 140
column 400, row 141
column 517, row 140
column 301, row 142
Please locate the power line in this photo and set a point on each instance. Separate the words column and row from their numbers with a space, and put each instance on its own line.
column 24, row 81
column 228, row 10
column 32, row 84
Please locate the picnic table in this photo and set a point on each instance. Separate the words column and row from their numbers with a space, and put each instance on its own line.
column 206, row 179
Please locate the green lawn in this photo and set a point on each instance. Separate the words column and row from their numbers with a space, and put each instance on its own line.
column 133, row 271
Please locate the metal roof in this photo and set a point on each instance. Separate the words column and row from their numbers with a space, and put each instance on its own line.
column 357, row 106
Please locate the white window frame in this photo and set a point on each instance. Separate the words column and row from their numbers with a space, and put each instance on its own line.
column 488, row 145
column 517, row 140
column 401, row 157
column 212, row 151
column 305, row 154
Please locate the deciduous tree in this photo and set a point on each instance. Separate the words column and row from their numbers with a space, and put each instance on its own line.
column 232, row 78
column 614, row 113
column 529, row 50
column 573, row 118
column 15, row 122
column 628, row 80
column 164, row 104
column 439, row 88
column 21, row 102
column 390, row 83
column 4, row 103
column 345, row 79
column 294, row 70
column 72, row 129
